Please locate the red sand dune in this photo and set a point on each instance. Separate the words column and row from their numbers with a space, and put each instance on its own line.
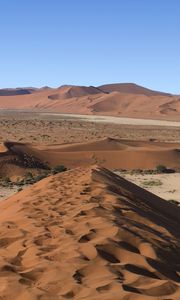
column 17, row 91
column 130, row 88
column 124, row 100
column 89, row 234
column 70, row 91
column 14, row 164
column 110, row 153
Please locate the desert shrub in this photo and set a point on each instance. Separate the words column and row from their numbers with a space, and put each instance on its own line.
column 31, row 179
column 20, row 182
column 149, row 171
column 136, row 171
column 5, row 181
column 161, row 169
column 174, row 202
column 164, row 169
column 40, row 177
column 152, row 183
column 58, row 169
column 29, row 175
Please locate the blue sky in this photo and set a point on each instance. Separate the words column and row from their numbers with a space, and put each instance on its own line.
column 90, row 42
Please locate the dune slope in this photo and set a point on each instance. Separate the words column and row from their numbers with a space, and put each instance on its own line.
column 70, row 91
column 17, row 91
column 16, row 163
column 108, row 152
column 129, row 88
column 89, row 234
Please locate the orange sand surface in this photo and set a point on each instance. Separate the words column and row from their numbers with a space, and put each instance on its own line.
column 123, row 100
column 108, row 152
column 89, row 234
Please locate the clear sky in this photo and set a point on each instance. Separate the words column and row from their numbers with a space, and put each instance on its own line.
column 90, row 42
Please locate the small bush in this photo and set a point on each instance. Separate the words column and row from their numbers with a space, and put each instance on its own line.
column 152, row 183
column 6, row 181
column 40, row 177
column 164, row 169
column 136, row 171
column 29, row 175
column 174, row 202
column 161, row 169
column 58, row 169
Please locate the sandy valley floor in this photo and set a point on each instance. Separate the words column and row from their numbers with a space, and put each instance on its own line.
column 166, row 186
column 54, row 128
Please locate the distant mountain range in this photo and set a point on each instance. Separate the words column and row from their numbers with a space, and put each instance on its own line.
column 119, row 99
column 74, row 91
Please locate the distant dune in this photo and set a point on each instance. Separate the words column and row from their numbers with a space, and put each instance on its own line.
column 89, row 234
column 70, row 91
column 17, row 91
column 110, row 153
column 130, row 88
column 122, row 100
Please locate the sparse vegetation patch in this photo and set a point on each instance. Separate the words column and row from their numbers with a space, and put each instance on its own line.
column 156, row 182
column 30, row 178
column 164, row 169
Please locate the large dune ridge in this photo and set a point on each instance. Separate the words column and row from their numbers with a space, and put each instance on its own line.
column 89, row 234
column 70, row 91
column 130, row 88
column 123, row 100
column 110, row 153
